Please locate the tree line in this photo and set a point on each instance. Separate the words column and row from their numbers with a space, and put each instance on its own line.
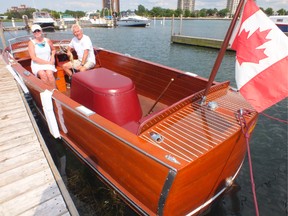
column 142, row 11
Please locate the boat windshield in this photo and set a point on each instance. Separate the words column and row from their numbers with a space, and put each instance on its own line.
column 41, row 15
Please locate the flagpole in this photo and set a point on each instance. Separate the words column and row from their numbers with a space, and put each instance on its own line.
column 222, row 51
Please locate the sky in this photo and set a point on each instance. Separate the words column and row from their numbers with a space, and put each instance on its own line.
column 88, row 5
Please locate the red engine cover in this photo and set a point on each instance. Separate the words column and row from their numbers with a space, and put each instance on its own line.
column 109, row 94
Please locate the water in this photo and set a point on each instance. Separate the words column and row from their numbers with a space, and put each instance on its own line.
column 268, row 143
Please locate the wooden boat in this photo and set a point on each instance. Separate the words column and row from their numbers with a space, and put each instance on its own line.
column 167, row 141
column 140, row 126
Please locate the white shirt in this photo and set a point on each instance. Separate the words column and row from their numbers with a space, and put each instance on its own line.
column 81, row 45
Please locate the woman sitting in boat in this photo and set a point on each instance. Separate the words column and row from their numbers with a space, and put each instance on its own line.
column 42, row 54
column 84, row 49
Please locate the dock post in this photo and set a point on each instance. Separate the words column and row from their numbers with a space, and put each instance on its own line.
column 180, row 28
column 26, row 21
column 13, row 22
column 2, row 35
column 114, row 21
column 172, row 28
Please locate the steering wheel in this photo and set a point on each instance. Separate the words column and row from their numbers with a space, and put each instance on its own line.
column 63, row 46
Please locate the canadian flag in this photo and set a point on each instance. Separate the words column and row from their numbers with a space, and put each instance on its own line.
column 261, row 58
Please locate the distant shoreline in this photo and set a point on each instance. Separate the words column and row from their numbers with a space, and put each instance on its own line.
column 190, row 18
column 152, row 18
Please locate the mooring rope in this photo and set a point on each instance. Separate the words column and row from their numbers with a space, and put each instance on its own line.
column 274, row 118
column 244, row 126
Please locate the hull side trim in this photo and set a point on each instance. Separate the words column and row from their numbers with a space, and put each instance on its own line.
column 214, row 197
column 165, row 191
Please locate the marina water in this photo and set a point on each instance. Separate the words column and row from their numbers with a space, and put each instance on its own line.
column 268, row 144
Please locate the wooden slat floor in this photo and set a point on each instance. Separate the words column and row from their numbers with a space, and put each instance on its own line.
column 27, row 183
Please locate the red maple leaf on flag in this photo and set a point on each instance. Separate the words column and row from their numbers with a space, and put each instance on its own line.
column 247, row 46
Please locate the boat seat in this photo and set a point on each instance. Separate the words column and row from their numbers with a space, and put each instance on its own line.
column 109, row 94
column 62, row 58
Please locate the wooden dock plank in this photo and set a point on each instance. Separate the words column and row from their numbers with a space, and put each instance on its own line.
column 6, row 106
column 17, row 123
column 27, row 157
column 19, row 172
column 34, row 200
column 6, row 113
column 27, row 184
column 17, row 141
column 24, row 185
column 5, row 137
column 18, row 150
column 15, row 129
column 44, row 208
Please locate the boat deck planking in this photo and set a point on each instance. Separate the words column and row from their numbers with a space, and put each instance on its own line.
column 208, row 129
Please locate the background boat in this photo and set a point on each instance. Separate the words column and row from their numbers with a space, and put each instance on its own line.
column 94, row 19
column 133, row 20
column 44, row 19
column 281, row 22
column 67, row 19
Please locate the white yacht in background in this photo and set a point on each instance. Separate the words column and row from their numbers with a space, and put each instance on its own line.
column 44, row 19
column 94, row 19
column 67, row 19
column 281, row 21
column 133, row 20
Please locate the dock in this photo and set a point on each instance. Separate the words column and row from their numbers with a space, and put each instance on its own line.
column 197, row 41
column 14, row 28
column 202, row 42
column 30, row 183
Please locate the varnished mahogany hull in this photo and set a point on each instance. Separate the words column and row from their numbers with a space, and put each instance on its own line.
column 207, row 147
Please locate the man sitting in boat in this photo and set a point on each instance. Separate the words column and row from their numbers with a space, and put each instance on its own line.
column 83, row 46
column 42, row 52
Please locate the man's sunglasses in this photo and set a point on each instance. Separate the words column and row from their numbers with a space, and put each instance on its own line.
column 36, row 31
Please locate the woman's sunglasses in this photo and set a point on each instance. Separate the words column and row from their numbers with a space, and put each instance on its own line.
column 37, row 31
